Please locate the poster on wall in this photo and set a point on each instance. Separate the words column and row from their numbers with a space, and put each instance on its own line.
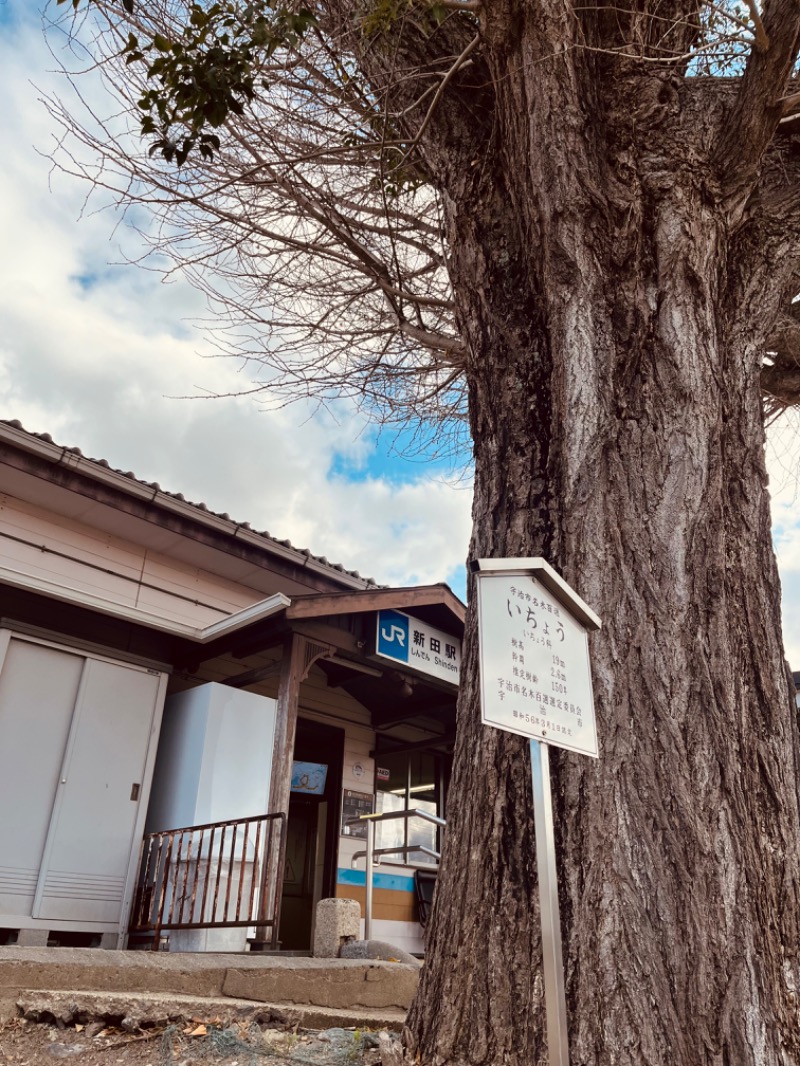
column 354, row 804
column 309, row 777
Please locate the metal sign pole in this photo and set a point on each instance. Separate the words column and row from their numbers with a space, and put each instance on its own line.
column 370, row 875
column 554, row 997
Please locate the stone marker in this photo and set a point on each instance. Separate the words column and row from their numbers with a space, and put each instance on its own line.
column 337, row 921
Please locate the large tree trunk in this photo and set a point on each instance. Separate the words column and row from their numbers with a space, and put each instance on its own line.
column 618, row 432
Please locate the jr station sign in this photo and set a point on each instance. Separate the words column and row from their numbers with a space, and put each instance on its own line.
column 412, row 642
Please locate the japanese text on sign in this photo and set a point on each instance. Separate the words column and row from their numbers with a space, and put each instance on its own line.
column 413, row 642
column 535, row 675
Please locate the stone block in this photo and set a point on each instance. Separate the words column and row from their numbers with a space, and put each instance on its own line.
column 32, row 938
column 377, row 949
column 341, row 984
column 337, row 921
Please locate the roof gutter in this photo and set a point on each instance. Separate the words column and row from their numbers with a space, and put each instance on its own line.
column 256, row 612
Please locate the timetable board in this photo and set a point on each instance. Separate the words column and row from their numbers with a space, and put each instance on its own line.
column 354, row 804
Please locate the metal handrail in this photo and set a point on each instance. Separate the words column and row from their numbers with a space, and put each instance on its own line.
column 371, row 852
column 410, row 812
column 403, row 850
column 216, row 875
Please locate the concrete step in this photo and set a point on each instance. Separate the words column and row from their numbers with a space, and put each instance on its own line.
column 354, row 988
column 135, row 1010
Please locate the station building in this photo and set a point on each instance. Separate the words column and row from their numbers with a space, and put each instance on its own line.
column 194, row 715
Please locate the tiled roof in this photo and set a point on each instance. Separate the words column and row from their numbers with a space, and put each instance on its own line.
column 202, row 507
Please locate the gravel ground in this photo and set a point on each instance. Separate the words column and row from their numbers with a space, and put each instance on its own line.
column 208, row 1041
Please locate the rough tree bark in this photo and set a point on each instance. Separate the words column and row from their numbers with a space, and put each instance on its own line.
column 614, row 287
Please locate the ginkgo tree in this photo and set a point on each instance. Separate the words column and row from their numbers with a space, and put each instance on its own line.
column 568, row 233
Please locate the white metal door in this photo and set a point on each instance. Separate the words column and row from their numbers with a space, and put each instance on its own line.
column 38, row 689
column 89, row 845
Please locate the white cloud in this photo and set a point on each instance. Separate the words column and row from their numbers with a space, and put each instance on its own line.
column 783, row 462
column 94, row 354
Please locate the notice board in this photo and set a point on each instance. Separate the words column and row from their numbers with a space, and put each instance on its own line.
column 354, row 804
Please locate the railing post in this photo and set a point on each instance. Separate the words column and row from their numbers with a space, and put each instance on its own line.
column 164, row 887
column 368, row 886
column 283, row 827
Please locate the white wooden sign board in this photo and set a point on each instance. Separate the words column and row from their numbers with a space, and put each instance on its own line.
column 536, row 681
column 534, row 654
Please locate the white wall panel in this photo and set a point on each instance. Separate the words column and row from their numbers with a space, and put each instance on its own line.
column 214, row 758
column 77, row 733
column 91, row 835
column 38, row 688
column 47, row 546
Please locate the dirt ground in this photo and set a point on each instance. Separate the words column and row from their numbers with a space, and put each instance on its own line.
column 200, row 1040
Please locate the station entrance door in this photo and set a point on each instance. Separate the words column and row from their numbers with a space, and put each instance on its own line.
column 312, row 830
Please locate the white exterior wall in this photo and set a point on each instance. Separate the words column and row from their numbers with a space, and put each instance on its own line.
column 405, row 935
column 77, row 556
column 214, row 764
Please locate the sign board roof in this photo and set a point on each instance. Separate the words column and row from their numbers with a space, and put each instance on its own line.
column 534, row 654
column 552, row 581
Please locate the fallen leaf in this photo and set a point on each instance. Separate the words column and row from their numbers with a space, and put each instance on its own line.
column 201, row 1030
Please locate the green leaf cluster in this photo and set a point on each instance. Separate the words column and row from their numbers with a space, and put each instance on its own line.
column 383, row 16
column 207, row 70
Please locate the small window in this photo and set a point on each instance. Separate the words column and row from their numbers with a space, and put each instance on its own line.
column 406, row 781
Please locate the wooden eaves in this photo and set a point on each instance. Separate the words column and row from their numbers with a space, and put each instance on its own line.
column 338, row 603
column 312, row 616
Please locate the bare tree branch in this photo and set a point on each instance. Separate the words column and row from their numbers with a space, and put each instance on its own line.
column 759, row 107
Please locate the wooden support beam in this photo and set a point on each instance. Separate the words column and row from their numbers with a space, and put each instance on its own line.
column 253, row 677
column 340, row 639
column 292, row 668
column 262, row 637
column 325, row 605
column 409, row 710
column 299, row 655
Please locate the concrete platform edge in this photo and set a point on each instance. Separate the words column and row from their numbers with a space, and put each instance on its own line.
column 316, row 992
column 133, row 1010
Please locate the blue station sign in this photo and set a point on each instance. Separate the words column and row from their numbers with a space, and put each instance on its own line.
column 412, row 642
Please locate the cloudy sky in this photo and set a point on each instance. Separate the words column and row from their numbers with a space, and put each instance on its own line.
column 95, row 353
